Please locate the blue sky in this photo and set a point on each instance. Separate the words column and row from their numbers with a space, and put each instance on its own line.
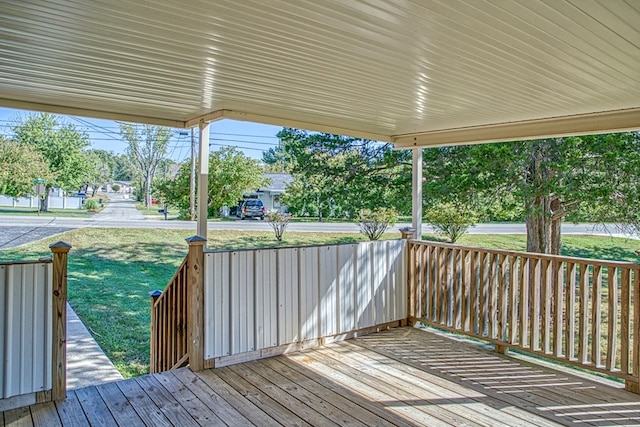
column 251, row 138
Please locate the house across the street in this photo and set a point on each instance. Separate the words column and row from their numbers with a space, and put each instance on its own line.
column 271, row 193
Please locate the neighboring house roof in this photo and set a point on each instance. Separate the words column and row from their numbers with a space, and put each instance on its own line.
column 278, row 182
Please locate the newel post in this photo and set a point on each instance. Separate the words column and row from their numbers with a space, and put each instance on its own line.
column 153, row 342
column 59, row 318
column 407, row 234
column 195, row 325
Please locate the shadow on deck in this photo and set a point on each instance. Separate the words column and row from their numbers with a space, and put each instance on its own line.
column 402, row 376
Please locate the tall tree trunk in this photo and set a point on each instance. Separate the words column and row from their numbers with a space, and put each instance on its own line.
column 44, row 202
column 557, row 211
column 538, row 226
column 545, row 211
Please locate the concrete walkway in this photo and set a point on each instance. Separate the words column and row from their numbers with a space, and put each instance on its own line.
column 86, row 362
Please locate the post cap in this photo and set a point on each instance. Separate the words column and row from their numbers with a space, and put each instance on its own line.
column 60, row 246
column 196, row 240
column 155, row 294
column 407, row 232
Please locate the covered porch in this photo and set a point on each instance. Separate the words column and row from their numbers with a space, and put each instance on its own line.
column 401, row 376
column 416, row 74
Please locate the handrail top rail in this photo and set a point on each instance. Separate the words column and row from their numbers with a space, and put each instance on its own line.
column 534, row 255
column 175, row 275
column 43, row 260
column 270, row 248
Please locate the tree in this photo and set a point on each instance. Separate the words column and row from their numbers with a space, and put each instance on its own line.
column 336, row 175
column 61, row 145
column 124, row 169
column 102, row 164
column 20, row 166
column 231, row 175
column 373, row 223
column 594, row 178
column 147, row 148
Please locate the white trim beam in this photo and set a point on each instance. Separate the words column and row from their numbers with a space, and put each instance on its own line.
column 585, row 124
column 203, row 179
column 279, row 121
column 94, row 114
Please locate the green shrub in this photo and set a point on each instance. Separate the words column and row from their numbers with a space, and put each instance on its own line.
column 115, row 188
column 450, row 220
column 91, row 204
column 279, row 222
column 375, row 222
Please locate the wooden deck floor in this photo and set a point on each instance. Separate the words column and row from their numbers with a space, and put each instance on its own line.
column 399, row 377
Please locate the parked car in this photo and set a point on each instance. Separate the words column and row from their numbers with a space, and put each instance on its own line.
column 80, row 194
column 252, row 208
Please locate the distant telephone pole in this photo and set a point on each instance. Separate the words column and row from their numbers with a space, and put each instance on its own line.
column 192, row 186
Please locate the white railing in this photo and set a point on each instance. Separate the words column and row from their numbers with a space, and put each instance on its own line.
column 269, row 301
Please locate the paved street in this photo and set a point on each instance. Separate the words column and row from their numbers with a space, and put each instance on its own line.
column 121, row 213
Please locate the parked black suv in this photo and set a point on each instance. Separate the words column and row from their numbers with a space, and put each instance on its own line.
column 252, row 208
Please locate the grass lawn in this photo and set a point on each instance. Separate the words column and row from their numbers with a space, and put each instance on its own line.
column 53, row 213
column 112, row 271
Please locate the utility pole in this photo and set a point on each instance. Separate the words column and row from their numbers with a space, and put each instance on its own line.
column 192, row 186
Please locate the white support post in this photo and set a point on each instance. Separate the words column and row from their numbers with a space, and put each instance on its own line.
column 416, row 193
column 203, row 179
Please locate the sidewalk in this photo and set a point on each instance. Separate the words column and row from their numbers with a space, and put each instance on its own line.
column 86, row 362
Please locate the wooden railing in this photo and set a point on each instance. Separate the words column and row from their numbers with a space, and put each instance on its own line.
column 582, row 312
column 176, row 315
column 169, row 323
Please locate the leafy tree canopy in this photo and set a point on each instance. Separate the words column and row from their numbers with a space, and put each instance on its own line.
column 231, row 175
column 20, row 166
column 336, row 175
column 61, row 145
column 589, row 178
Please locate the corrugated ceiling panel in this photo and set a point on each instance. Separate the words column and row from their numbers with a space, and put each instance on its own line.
column 387, row 68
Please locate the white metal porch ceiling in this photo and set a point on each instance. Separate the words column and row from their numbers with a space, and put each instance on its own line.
column 413, row 72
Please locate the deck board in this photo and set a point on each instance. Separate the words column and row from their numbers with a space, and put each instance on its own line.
column 404, row 377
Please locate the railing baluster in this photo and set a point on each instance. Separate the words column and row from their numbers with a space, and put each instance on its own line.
column 612, row 317
column 583, row 351
column 431, row 284
column 441, row 288
column 513, row 300
column 596, row 316
column 423, row 282
column 534, row 316
column 625, row 286
column 464, row 262
column 546, row 306
column 503, row 289
column 558, row 299
column 484, row 285
column 493, row 295
column 524, row 301
column 457, row 287
column 473, row 284
column 570, row 312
